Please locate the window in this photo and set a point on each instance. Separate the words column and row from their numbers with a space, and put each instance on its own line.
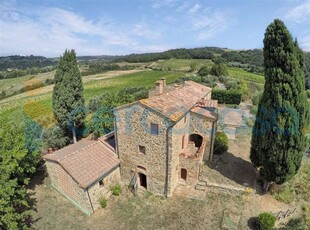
column 101, row 183
column 141, row 149
column 154, row 128
column 183, row 141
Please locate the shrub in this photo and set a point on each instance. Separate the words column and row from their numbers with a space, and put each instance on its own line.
column 227, row 96
column 284, row 194
column 294, row 224
column 54, row 138
column 220, row 143
column 219, row 69
column 103, row 202
column 203, row 71
column 266, row 221
column 254, row 109
column 116, row 189
column 231, row 85
column 256, row 97
column 308, row 93
column 250, row 122
column 222, row 79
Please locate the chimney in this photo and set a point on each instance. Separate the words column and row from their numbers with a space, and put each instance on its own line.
column 163, row 80
column 50, row 150
column 159, row 87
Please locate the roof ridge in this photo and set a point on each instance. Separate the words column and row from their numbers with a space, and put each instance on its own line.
column 76, row 151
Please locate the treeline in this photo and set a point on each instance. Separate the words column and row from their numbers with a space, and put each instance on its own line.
column 253, row 57
column 195, row 53
column 102, row 67
column 23, row 72
column 25, row 62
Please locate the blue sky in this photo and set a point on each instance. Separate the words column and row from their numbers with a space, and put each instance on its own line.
column 97, row 27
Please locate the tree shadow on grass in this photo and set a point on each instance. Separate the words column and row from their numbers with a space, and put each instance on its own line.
column 235, row 169
column 252, row 223
column 37, row 179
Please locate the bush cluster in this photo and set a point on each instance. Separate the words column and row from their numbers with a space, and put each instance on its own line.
column 266, row 221
column 116, row 189
column 227, row 96
column 220, row 143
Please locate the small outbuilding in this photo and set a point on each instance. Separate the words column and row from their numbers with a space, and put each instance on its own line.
column 83, row 172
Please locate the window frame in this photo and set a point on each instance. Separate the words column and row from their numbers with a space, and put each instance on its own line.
column 142, row 147
column 152, row 131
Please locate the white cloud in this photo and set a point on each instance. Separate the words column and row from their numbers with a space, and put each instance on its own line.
column 146, row 31
column 194, row 9
column 49, row 31
column 156, row 4
column 206, row 22
column 299, row 13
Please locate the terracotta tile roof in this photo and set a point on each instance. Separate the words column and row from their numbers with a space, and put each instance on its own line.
column 206, row 112
column 86, row 161
column 178, row 101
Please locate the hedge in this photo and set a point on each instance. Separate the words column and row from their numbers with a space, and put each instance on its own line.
column 227, row 96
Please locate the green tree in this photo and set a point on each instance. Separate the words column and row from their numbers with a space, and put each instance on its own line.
column 15, row 168
column 220, row 143
column 204, row 71
column 278, row 138
column 219, row 70
column 54, row 138
column 68, row 99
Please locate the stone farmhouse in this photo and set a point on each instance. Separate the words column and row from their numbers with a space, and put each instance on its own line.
column 158, row 143
column 84, row 171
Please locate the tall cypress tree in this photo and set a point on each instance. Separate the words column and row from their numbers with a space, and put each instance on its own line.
column 68, row 99
column 278, row 138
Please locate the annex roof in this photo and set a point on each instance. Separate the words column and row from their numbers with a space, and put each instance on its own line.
column 85, row 161
column 178, row 101
column 205, row 112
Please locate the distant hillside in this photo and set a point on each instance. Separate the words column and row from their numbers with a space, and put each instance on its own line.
column 24, row 62
column 97, row 58
column 253, row 57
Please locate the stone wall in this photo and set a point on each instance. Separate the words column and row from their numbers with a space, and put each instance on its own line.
column 65, row 184
column 179, row 130
column 132, row 130
column 97, row 191
column 203, row 126
column 192, row 168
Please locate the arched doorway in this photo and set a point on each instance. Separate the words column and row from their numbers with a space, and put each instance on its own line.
column 196, row 138
column 183, row 174
column 142, row 180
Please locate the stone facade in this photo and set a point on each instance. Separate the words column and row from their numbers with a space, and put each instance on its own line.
column 133, row 130
column 87, row 199
column 172, row 156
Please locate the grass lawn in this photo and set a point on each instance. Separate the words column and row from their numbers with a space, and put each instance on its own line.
column 145, row 211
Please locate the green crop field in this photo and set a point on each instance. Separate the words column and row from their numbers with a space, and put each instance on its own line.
column 39, row 107
column 12, row 85
column 182, row 64
column 244, row 75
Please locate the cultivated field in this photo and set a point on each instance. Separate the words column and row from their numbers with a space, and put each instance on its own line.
column 37, row 103
column 181, row 64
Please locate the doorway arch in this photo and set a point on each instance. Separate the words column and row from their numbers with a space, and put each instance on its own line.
column 142, row 180
column 196, row 138
column 183, row 174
